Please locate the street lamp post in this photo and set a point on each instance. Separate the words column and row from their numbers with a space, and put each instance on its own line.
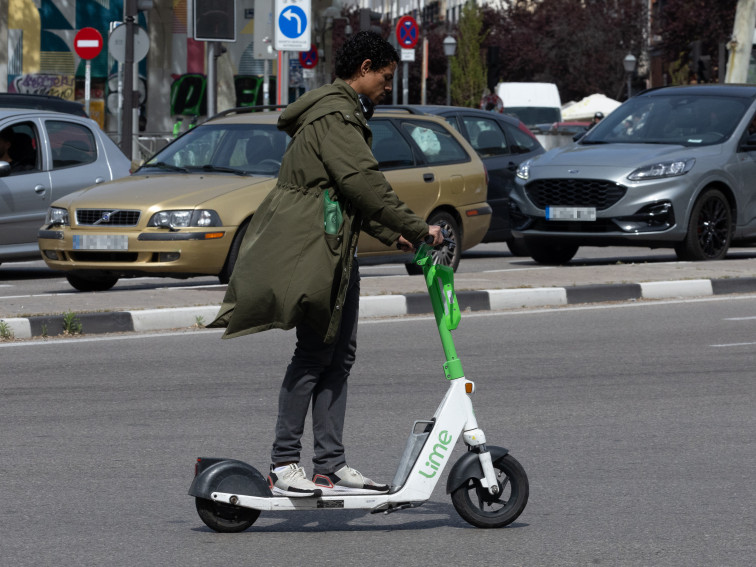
column 629, row 63
column 450, row 47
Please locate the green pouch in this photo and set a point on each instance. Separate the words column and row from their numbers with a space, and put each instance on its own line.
column 332, row 215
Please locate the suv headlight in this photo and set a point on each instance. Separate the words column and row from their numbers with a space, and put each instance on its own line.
column 662, row 169
column 185, row 219
column 523, row 170
column 57, row 217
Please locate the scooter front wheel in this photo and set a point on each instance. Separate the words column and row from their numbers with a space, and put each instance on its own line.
column 482, row 509
column 225, row 518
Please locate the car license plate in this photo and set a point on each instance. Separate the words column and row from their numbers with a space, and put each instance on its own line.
column 101, row 242
column 571, row 213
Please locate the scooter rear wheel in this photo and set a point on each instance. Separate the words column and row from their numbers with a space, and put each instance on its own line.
column 482, row 509
column 225, row 518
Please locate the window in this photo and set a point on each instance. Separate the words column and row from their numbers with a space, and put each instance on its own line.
column 389, row 147
column 71, row 144
column 435, row 142
column 520, row 142
column 486, row 136
column 22, row 147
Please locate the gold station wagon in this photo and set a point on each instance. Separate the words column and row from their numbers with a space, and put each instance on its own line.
column 185, row 211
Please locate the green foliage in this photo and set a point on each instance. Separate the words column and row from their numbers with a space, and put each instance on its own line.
column 467, row 68
column 6, row 333
column 71, row 324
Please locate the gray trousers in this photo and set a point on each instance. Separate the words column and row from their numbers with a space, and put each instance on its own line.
column 318, row 373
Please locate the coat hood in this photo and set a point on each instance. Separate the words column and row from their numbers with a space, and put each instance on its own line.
column 336, row 97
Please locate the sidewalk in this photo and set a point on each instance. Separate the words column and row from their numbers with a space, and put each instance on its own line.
column 152, row 309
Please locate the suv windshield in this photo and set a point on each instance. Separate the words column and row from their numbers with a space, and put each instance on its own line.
column 685, row 120
column 254, row 149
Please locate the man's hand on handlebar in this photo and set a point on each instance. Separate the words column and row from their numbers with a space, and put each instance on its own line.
column 434, row 231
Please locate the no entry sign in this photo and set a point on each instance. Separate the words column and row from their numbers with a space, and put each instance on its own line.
column 407, row 32
column 88, row 43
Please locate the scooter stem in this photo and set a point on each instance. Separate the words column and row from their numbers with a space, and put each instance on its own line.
column 440, row 282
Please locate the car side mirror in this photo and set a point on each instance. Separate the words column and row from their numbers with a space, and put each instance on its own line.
column 577, row 136
column 749, row 145
column 5, row 169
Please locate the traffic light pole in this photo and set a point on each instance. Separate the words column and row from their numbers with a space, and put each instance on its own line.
column 127, row 119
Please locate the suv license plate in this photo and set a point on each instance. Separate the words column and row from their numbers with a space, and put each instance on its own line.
column 571, row 213
column 101, row 242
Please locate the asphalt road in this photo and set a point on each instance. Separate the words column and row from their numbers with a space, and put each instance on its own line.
column 634, row 422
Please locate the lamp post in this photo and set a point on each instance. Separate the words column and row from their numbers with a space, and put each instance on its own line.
column 629, row 63
column 450, row 47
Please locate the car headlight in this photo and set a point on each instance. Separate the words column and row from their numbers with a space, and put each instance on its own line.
column 185, row 219
column 662, row 169
column 57, row 217
column 523, row 170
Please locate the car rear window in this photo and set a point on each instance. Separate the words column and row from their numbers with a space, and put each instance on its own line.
column 71, row 144
column 435, row 142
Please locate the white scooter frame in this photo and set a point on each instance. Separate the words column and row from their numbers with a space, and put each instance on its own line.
column 230, row 494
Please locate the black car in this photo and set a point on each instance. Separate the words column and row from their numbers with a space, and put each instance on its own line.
column 42, row 102
column 502, row 142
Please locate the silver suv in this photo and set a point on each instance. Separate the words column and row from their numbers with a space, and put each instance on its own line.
column 672, row 167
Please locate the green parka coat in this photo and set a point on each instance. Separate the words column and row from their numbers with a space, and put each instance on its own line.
column 296, row 257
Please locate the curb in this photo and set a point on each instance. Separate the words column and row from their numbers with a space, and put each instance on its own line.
column 394, row 305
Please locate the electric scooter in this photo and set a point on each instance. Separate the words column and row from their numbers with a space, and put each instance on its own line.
column 488, row 487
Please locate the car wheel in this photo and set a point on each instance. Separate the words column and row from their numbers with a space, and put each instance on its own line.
column 518, row 247
column 550, row 252
column 92, row 282
column 444, row 255
column 709, row 229
column 233, row 253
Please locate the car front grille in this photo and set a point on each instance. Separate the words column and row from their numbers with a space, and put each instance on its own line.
column 115, row 217
column 574, row 193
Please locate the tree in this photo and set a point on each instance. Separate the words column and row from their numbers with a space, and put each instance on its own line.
column 467, row 69
column 577, row 45
column 696, row 28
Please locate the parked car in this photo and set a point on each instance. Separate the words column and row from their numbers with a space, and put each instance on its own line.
column 502, row 142
column 185, row 211
column 672, row 167
column 42, row 102
column 60, row 153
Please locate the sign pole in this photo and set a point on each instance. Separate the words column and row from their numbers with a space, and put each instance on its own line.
column 405, row 83
column 87, row 84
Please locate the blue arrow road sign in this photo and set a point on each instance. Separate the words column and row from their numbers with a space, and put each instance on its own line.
column 292, row 22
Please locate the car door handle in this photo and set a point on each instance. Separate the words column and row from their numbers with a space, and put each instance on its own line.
column 428, row 177
column 39, row 189
column 99, row 180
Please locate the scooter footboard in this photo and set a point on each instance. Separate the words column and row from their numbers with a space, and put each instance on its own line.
column 468, row 466
column 227, row 475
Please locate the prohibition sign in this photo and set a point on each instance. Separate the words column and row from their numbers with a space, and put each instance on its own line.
column 88, row 43
column 407, row 32
column 308, row 59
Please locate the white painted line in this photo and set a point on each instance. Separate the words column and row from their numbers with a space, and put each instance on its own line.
column 733, row 345
column 157, row 319
column 526, row 297
column 21, row 328
column 382, row 305
column 682, row 288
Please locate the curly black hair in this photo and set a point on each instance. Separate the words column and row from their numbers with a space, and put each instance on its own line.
column 364, row 45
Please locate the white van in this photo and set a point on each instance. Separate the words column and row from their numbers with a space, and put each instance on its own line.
column 533, row 103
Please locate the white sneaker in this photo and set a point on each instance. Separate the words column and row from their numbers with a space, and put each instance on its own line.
column 346, row 480
column 292, row 481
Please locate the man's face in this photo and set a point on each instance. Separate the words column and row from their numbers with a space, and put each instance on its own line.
column 376, row 84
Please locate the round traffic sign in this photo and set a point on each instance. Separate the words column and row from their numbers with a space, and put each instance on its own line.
column 88, row 43
column 308, row 59
column 117, row 43
column 407, row 32
column 292, row 22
